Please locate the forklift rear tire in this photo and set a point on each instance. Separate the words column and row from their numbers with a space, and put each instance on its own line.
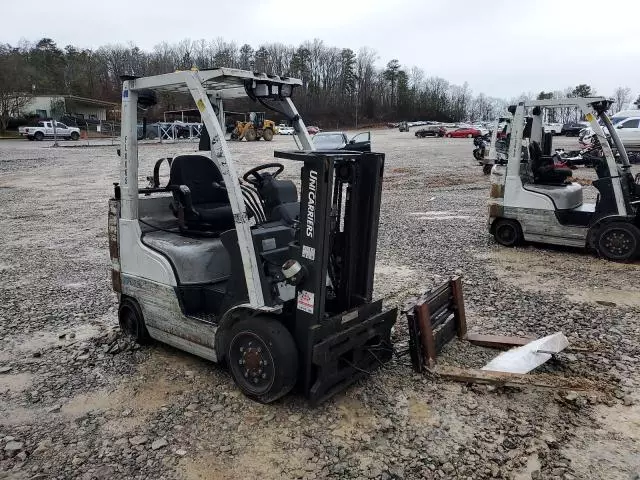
column 507, row 232
column 618, row 241
column 262, row 358
column 132, row 322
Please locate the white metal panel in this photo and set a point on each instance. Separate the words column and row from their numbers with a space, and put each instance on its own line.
column 516, row 196
column 138, row 260
column 129, row 154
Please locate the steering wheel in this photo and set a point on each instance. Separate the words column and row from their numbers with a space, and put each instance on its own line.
column 254, row 178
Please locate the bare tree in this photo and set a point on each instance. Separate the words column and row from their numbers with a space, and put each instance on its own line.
column 622, row 96
column 15, row 93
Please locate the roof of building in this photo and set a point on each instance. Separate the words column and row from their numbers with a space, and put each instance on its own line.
column 88, row 101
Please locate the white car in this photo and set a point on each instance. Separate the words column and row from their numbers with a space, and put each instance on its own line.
column 285, row 130
column 554, row 128
column 629, row 131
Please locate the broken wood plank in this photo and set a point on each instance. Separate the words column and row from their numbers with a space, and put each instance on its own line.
column 538, row 380
column 496, row 341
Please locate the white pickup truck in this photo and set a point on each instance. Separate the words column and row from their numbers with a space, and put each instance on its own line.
column 44, row 130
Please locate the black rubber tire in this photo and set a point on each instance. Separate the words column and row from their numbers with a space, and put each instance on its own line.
column 486, row 169
column 132, row 322
column 39, row 136
column 278, row 375
column 267, row 134
column 618, row 241
column 75, row 136
column 30, row 138
column 251, row 135
column 507, row 232
column 448, row 135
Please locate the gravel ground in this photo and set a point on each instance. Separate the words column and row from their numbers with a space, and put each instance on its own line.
column 78, row 401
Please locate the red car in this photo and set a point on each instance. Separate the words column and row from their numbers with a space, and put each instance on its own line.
column 312, row 130
column 463, row 133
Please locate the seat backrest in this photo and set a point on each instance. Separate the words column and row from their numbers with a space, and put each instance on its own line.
column 277, row 192
column 201, row 175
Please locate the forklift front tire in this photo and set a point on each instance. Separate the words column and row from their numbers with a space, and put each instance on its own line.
column 618, row 241
column 262, row 358
column 132, row 322
column 507, row 232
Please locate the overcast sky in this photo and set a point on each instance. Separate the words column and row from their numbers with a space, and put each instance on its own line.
column 501, row 47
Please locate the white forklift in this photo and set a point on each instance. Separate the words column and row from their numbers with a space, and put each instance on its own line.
column 247, row 273
column 532, row 200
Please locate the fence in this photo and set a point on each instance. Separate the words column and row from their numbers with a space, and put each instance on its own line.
column 159, row 132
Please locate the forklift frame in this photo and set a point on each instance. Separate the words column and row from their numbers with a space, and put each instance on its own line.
column 221, row 84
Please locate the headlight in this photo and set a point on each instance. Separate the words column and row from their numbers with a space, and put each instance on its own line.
column 285, row 90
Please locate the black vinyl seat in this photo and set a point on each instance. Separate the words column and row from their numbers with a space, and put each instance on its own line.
column 201, row 201
column 544, row 170
column 280, row 200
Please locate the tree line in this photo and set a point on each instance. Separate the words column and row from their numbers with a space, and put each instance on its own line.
column 340, row 86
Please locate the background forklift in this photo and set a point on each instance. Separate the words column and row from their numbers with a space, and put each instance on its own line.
column 531, row 198
column 247, row 273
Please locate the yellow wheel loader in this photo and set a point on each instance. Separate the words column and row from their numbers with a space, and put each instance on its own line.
column 254, row 129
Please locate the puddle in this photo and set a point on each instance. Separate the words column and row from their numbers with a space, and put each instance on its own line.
column 46, row 339
column 15, row 383
column 543, row 271
column 438, row 215
column 16, row 416
column 621, row 419
column 533, row 464
column 394, row 271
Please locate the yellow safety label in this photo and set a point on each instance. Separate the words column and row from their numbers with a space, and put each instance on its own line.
column 200, row 105
column 588, row 117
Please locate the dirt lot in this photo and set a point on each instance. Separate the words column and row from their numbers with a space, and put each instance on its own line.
column 78, row 401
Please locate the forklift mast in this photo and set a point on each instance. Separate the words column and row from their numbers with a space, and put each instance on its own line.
column 339, row 332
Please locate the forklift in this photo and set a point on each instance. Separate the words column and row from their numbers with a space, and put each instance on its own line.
column 247, row 273
column 532, row 199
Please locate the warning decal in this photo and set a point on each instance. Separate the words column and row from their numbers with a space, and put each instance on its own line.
column 306, row 301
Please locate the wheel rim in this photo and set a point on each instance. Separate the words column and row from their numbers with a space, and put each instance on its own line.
column 251, row 362
column 618, row 243
column 506, row 233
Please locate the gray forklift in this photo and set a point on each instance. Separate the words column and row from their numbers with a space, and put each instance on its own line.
column 275, row 285
column 532, row 198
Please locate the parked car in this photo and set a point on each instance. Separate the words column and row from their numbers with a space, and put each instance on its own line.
column 464, row 133
column 554, row 128
column 431, row 131
column 312, row 130
column 629, row 131
column 44, row 129
column 340, row 141
column 286, row 130
column 482, row 129
column 572, row 129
